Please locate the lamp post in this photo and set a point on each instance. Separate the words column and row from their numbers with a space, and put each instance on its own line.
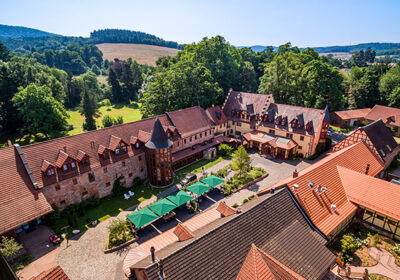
column 64, row 237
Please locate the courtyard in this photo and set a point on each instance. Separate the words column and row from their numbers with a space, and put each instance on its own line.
column 84, row 256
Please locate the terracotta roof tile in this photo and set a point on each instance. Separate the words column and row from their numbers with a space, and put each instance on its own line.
column 225, row 210
column 261, row 266
column 62, row 157
column 317, row 202
column 352, row 114
column 55, row 273
column 384, row 112
column 216, row 114
column 46, row 165
column 101, row 149
column 144, row 136
column 196, row 123
column 81, row 155
column 114, row 142
column 373, row 193
column 182, row 232
column 20, row 202
column 133, row 140
column 238, row 100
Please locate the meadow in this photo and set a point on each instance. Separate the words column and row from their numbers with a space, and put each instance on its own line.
column 143, row 54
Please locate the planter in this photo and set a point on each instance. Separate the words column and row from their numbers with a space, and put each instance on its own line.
column 251, row 182
column 113, row 249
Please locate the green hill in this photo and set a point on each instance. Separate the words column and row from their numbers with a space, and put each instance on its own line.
column 10, row 32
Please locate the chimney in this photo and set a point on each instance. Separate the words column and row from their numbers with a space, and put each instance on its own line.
column 92, row 144
column 161, row 270
column 65, row 148
column 9, row 143
column 295, row 173
column 367, row 169
column 153, row 256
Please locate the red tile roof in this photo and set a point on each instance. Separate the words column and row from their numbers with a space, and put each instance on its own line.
column 55, row 273
column 280, row 142
column 20, row 202
column 62, row 157
column 144, row 136
column 182, row 232
column 101, row 149
column 81, row 155
column 259, row 265
column 373, row 193
column 384, row 112
column 225, row 210
column 114, row 142
column 190, row 121
column 239, row 100
column 214, row 112
column 45, row 165
column 352, row 114
column 318, row 204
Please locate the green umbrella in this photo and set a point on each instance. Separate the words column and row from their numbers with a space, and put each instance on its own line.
column 162, row 207
column 180, row 198
column 213, row 181
column 198, row 188
column 142, row 217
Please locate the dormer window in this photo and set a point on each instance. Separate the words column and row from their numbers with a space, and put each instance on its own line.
column 65, row 167
column 73, row 166
column 106, row 156
column 277, row 121
column 50, row 172
column 117, row 151
column 137, row 145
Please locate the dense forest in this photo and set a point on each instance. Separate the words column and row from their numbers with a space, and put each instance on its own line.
column 8, row 31
column 45, row 82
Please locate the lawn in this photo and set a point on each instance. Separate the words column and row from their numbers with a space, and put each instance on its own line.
column 109, row 205
column 197, row 166
column 130, row 113
column 343, row 130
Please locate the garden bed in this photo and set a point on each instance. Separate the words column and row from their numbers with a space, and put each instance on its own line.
column 120, row 235
column 237, row 182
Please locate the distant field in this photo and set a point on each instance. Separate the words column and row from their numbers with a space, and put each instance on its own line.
column 340, row 55
column 143, row 54
column 129, row 112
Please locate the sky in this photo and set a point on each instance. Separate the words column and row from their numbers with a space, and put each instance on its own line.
column 243, row 23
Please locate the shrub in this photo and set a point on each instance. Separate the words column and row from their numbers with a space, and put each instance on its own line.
column 137, row 181
column 235, row 205
column 106, row 102
column 92, row 202
column 222, row 173
column 396, row 250
column 117, row 189
column 107, row 121
column 251, row 197
column 119, row 120
column 120, row 233
column 225, row 150
column 245, row 200
column 9, row 247
column 195, row 205
column 348, row 245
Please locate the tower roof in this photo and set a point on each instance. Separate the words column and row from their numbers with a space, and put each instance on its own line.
column 159, row 139
column 326, row 117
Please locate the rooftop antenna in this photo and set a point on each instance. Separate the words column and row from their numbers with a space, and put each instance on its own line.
column 295, row 188
column 311, row 185
column 333, row 207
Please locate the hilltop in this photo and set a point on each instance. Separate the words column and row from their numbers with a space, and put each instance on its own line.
column 10, row 32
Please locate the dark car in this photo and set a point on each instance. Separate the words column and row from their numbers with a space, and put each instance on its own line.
column 189, row 177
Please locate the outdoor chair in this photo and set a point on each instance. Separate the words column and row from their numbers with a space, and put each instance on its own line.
column 131, row 193
column 126, row 196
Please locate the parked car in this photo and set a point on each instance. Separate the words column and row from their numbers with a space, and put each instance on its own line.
column 189, row 177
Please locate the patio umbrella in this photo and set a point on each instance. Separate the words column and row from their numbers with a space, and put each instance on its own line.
column 198, row 188
column 213, row 181
column 180, row 198
column 162, row 207
column 142, row 217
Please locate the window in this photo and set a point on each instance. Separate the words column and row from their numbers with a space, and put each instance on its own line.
column 84, row 193
column 238, row 133
column 379, row 217
column 220, row 126
column 205, row 133
column 50, row 172
column 201, row 135
column 57, row 187
column 300, row 147
column 137, row 145
column 184, row 141
column 73, row 166
column 65, row 167
column 301, row 138
column 123, row 149
column 233, row 123
column 190, row 139
column 141, row 169
column 74, row 181
column 272, row 131
column 140, row 157
column 289, row 135
column 91, row 177
column 239, row 124
column 62, row 202
column 123, row 163
column 117, row 151
column 86, row 162
column 105, row 170
column 195, row 137
column 106, row 156
column 130, row 174
column 369, row 213
column 177, row 143
column 108, row 184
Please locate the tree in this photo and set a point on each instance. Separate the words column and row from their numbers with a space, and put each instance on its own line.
column 89, row 109
column 116, row 89
column 225, row 149
column 363, row 87
column 9, row 247
column 241, row 160
column 39, row 110
column 4, row 53
column 108, row 121
column 389, row 83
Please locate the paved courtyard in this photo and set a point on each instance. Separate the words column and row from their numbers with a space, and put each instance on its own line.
column 84, row 259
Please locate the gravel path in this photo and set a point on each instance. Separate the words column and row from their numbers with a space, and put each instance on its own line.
column 84, row 259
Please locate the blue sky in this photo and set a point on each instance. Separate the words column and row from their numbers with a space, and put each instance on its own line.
column 304, row 23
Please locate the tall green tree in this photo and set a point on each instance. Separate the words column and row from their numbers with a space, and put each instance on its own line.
column 241, row 160
column 40, row 111
column 116, row 89
column 363, row 87
column 89, row 108
column 389, row 83
column 9, row 247
column 4, row 53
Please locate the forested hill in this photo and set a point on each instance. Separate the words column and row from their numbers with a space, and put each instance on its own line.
column 128, row 36
column 380, row 48
column 8, row 32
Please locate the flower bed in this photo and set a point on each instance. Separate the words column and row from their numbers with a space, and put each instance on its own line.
column 119, row 233
column 237, row 182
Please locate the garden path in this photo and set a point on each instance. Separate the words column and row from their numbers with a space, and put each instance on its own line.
column 386, row 264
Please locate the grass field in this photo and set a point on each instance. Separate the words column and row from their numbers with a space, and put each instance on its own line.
column 129, row 112
column 143, row 54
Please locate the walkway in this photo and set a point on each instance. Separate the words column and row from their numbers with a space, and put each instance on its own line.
column 386, row 264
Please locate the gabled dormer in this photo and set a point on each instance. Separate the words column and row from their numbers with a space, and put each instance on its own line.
column 134, row 141
column 65, row 162
column 103, row 152
column 83, row 158
column 48, row 169
column 309, row 125
column 118, row 146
